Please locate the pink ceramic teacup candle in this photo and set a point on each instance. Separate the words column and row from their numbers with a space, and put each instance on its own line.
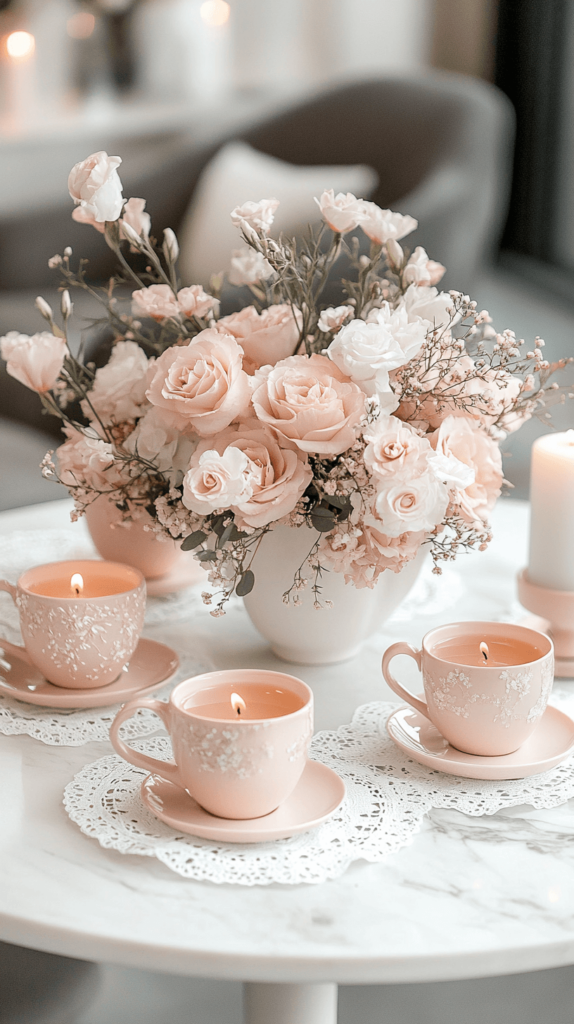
column 486, row 683
column 240, row 739
column 80, row 620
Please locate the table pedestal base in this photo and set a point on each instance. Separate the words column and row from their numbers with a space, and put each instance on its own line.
column 289, row 1004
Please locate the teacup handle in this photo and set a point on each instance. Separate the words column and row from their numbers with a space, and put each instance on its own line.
column 151, row 764
column 390, row 653
column 5, row 645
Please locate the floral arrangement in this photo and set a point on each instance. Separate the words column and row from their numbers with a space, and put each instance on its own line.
column 375, row 423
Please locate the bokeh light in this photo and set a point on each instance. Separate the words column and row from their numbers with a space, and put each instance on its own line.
column 215, row 12
column 20, row 45
column 81, row 25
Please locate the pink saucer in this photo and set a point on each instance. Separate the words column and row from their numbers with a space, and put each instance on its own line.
column 185, row 573
column 152, row 665
column 316, row 796
column 549, row 744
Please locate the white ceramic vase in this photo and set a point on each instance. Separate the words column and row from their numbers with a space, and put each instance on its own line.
column 303, row 634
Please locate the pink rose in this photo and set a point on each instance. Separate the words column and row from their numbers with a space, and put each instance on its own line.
column 157, row 302
column 391, row 445
column 257, row 216
column 422, row 271
column 382, row 226
column 309, row 404
column 410, row 500
column 35, row 361
column 135, row 216
column 463, row 438
column 194, row 301
column 203, row 382
column 265, row 337
column 94, row 184
column 278, row 476
column 341, row 212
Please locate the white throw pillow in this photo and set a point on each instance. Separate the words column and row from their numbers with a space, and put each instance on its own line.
column 238, row 173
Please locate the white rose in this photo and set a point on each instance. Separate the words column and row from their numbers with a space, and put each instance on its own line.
column 161, row 437
column 382, row 225
column 408, row 501
column 216, row 481
column 94, row 184
column 452, row 471
column 365, row 353
column 258, row 216
column 248, row 266
column 118, row 392
column 429, row 304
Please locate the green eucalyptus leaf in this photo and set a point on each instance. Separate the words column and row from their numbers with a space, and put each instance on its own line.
column 246, row 583
column 206, row 556
column 194, row 540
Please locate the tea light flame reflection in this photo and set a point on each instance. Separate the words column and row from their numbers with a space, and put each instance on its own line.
column 238, row 704
column 484, row 651
column 77, row 584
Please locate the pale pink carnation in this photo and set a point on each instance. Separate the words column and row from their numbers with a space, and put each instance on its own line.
column 422, row 271
column 278, row 476
column 95, row 185
column 257, row 216
column 203, row 382
column 85, row 460
column 134, row 215
column 215, row 481
column 118, row 391
column 193, row 301
column 161, row 437
column 247, row 266
column 157, row 302
column 81, row 215
column 383, row 225
column 341, row 212
column 362, row 557
column 334, row 317
column 309, row 404
column 35, row 361
column 265, row 337
column 366, row 352
column 463, row 438
column 429, row 304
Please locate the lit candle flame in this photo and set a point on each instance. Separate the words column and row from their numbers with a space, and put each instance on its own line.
column 215, row 12
column 77, row 583
column 20, row 45
column 238, row 704
column 484, row 651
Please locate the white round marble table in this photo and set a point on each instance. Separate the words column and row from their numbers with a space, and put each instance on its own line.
column 470, row 897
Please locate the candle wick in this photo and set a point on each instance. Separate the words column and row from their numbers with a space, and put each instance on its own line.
column 485, row 655
column 238, row 710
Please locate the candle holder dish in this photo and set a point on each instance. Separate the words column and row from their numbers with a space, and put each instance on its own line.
column 553, row 613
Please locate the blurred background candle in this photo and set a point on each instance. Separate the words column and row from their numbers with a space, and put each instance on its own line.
column 551, row 560
column 20, row 49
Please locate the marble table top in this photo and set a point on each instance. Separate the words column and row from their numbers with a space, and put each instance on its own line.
column 469, row 897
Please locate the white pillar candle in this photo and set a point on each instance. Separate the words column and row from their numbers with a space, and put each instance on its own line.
column 551, row 562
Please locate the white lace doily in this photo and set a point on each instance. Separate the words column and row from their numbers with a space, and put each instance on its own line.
column 72, row 727
column 387, row 798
